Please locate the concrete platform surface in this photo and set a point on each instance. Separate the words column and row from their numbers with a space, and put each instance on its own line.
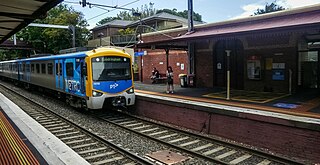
column 53, row 150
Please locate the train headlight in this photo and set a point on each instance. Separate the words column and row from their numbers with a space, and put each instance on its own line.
column 131, row 90
column 96, row 94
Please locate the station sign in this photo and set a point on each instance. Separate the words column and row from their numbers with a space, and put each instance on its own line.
column 142, row 53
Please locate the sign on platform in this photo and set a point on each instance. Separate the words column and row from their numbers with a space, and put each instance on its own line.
column 143, row 53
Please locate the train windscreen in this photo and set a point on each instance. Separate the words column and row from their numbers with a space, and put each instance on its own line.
column 111, row 68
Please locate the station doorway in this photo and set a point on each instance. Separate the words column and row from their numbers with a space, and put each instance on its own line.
column 309, row 67
column 236, row 64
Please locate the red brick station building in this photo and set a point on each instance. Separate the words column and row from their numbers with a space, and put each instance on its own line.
column 275, row 52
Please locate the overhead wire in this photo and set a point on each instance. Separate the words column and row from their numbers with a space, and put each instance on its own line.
column 112, row 10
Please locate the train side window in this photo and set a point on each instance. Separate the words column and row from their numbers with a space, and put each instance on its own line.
column 43, row 68
column 38, row 68
column 50, row 68
column 23, row 67
column 69, row 67
column 32, row 68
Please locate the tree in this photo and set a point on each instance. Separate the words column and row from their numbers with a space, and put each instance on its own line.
column 105, row 20
column 183, row 14
column 52, row 40
column 126, row 31
column 269, row 8
column 145, row 10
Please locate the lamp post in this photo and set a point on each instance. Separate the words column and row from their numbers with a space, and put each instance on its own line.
column 228, row 74
column 100, row 35
column 137, row 14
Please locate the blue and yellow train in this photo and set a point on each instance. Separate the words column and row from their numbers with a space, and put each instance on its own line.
column 93, row 79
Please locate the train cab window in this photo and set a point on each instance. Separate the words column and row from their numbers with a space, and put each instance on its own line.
column 69, row 67
column 32, row 68
column 50, row 68
column 43, row 68
column 37, row 68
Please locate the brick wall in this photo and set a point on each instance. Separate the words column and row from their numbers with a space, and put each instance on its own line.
column 157, row 58
column 291, row 138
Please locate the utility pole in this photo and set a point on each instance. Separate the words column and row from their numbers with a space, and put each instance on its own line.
column 190, row 16
column 191, row 65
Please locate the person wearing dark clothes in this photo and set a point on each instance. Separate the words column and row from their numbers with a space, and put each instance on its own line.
column 155, row 75
column 170, row 80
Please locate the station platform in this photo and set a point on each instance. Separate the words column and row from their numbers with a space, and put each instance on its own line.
column 304, row 103
column 24, row 141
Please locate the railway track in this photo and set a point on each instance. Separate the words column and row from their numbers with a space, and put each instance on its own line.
column 213, row 150
column 91, row 147
column 197, row 146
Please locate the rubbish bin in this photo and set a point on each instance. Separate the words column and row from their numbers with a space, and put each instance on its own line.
column 191, row 79
column 183, row 80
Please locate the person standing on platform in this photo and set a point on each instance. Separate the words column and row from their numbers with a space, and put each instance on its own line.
column 169, row 80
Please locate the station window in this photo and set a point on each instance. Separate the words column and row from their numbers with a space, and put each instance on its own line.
column 37, row 68
column 43, row 68
column 50, row 68
column 32, row 68
column 69, row 67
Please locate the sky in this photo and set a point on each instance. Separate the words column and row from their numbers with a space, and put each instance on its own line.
column 211, row 10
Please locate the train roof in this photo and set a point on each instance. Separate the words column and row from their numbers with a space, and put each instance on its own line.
column 73, row 55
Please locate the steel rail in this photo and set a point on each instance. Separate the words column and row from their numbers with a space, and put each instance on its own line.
column 121, row 150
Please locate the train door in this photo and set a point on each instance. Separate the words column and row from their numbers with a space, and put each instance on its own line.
column 72, row 76
column 20, row 71
column 310, row 64
column 83, row 70
column 59, row 74
column 27, row 77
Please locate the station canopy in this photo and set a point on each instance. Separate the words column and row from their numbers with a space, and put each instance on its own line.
column 17, row 14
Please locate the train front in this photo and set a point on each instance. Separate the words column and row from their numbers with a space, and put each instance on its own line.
column 109, row 79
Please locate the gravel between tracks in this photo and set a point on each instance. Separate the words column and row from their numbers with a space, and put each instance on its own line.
column 128, row 140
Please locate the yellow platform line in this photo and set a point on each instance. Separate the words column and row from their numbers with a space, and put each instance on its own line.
column 237, row 104
column 236, row 98
column 18, row 147
column 14, row 146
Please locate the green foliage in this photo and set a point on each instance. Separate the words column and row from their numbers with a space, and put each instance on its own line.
column 8, row 54
column 183, row 14
column 126, row 31
column 147, row 10
column 269, row 8
column 51, row 40
column 105, row 20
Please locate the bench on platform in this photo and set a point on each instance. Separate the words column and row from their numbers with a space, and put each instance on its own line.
column 161, row 79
